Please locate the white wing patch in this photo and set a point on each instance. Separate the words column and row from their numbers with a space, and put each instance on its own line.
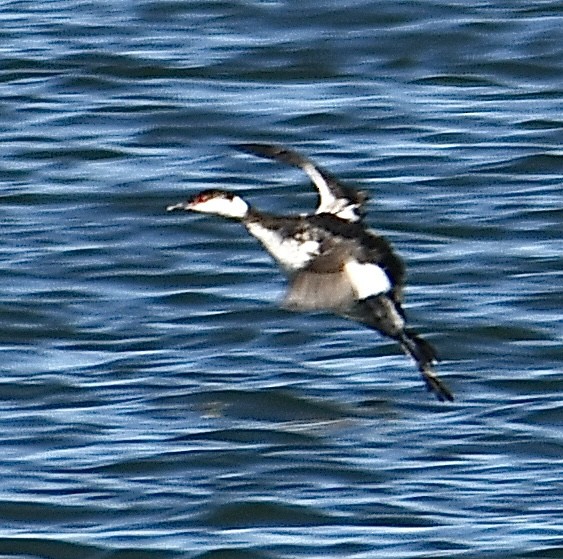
column 291, row 254
column 329, row 203
column 319, row 182
column 347, row 212
column 367, row 279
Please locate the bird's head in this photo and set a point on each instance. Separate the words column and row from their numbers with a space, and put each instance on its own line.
column 218, row 202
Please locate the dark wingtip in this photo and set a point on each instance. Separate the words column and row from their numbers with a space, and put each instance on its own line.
column 262, row 150
column 277, row 152
column 245, row 148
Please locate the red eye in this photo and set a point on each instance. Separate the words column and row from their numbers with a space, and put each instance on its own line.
column 202, row 197
column 210, row 194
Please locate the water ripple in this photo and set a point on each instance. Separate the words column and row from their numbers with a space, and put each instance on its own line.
column 155, row 400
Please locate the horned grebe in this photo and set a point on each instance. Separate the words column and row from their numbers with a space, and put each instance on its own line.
column 331, row 263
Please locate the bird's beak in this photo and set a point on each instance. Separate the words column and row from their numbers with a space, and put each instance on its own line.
column 180, row 206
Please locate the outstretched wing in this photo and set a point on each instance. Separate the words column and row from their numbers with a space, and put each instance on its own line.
column 334, row 197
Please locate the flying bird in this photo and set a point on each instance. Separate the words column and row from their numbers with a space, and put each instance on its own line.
column 331, row 260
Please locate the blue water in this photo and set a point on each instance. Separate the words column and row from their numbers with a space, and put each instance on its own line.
column 156, row 402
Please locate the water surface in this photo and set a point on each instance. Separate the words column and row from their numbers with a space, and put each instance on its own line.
column 156, row 402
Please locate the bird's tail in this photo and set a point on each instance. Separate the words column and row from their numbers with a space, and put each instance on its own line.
column 425, row 356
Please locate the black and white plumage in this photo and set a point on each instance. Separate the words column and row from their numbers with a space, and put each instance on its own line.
column 332, row 264
column 334, row 197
